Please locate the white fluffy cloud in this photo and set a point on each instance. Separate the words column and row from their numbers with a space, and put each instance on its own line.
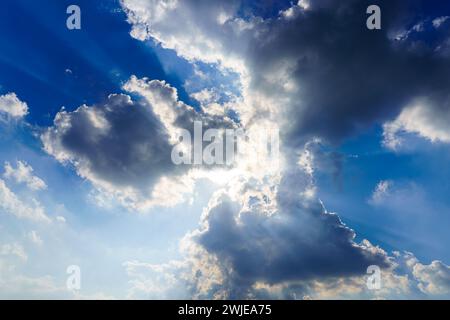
column 210, row 32
column 11, row 105
column 197, row 31
column 420, row 118
column 23, row 173
column 258, row 233
column 120, row 146
column 434, row 278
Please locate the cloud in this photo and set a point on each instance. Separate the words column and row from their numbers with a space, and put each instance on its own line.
column 23, row 173
column 314, row 71
column 60, row 219
column 339, row 85
column 382, row 190
column 124, row 146
column 118, row 145
column 433, row 278
column 193, row 31
column 326, row 88
column 393, row 286
column 13, row 249
column 270, row 231
column 12, row 204
column 437, row 23
column 279, row 237
column 11, row 106
column 423, row 118
column 34, row 237
column 271, row 240
column 173, row 113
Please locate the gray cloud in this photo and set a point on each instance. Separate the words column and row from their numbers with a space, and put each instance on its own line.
column 119, row 141
column 318, row 67
column 347, row 77
column 280, row 237
column 123, row 146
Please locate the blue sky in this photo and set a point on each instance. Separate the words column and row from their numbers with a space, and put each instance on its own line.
column 369, row 122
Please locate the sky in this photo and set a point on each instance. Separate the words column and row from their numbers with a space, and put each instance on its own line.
column 90, row 119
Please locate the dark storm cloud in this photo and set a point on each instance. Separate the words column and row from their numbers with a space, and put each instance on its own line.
column 119, row 141
column 300, row 242
column 316, row 64
column 348, row 76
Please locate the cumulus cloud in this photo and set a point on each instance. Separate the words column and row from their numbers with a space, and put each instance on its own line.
column 201, row 275
column 433, row 278
column 118, row 145
column 327, row 88
column 313, row 71
column 276, row 237
column 393, row 286
column 173, row 113
column 422, row 118
column 153, row 281
column 23, row 173
column 341, row 85
column 255, row 234
column 12, row 106
column 124, row 146
column 192, row 29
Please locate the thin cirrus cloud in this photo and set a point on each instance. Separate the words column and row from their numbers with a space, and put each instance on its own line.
column 23, row 173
